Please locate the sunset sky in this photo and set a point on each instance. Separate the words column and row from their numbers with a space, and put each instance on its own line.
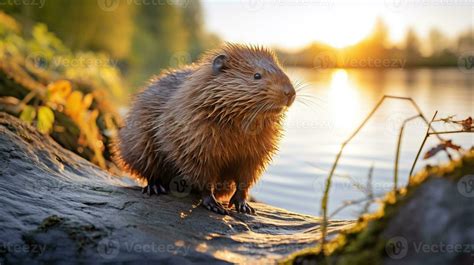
column 294, row 24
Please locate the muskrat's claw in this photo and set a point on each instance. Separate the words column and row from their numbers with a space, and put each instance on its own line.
column 212, row 205
column 154, row 189
column 242, row 206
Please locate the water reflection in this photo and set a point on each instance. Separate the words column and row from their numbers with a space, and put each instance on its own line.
column 295, row 179
column 343, row 100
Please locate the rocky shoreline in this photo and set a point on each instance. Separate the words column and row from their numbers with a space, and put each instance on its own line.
column 58, row 207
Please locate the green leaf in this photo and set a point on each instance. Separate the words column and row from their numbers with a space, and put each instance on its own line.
column 28, row 114
column 45, row 119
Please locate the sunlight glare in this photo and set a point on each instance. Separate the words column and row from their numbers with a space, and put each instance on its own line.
column 340, row 36
column 343, row 101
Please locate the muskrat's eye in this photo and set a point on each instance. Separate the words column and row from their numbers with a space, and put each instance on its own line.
column 257, row 76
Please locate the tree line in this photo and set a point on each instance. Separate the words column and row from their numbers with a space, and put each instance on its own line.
column 142, row 38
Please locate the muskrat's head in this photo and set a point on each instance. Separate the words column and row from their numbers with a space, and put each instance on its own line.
column 248, row 80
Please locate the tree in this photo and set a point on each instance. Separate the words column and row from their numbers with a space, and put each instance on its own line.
column 82, row 25
column 380, row 33
column 437, row 41
column 412, row 44
column 159, row 35
column 466, row 41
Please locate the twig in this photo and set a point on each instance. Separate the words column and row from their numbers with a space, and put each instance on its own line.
column 354, row 182
column 347, row 204
column 370, row 191
column 350, row 203
column 421, row 147
column 448, row 132
column 324, row 201
column 397, row 154
column 25, row 100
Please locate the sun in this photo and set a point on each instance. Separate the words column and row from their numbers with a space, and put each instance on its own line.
column 344, row 28
column 341, row 35
column 343, row 100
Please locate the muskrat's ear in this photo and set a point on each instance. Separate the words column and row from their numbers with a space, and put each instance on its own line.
column 218, row 64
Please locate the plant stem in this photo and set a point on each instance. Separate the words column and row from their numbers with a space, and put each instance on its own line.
column 397, row 154
column 421, row 147
column 325, row 199
column 448, row 132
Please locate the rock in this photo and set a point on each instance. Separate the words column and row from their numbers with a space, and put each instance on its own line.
column 436, row 226
column 57, row 207
column 429, row 222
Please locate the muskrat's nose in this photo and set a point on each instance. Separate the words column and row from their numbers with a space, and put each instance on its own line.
column 290, row 93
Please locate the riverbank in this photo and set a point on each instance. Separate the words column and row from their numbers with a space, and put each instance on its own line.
column 58, row 207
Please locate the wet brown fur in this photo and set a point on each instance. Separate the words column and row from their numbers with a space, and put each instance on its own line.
column 216, row 130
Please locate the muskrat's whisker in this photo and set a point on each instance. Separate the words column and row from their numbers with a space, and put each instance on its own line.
column 253, row 116
column 304, row 103
column 310, row 97
column 298, row 84
column 301, row 87
column 309, row 103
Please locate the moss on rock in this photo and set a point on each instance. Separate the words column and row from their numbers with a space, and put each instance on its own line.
column 365, row 242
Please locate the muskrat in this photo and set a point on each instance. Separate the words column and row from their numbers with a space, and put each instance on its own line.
column 216, row 123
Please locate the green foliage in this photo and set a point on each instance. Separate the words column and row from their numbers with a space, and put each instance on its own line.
column 28, row 114
column 82, row 25
column 45, row 119
column 142, row 38
column 62, row 93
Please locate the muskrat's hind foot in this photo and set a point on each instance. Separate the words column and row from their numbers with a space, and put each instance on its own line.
column 210, row 202
column 151, row 189
column 241, row 205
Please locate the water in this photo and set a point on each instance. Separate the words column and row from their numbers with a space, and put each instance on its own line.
column 340, row 100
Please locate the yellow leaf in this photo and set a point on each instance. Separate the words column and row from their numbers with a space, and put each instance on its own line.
column 59, row 91
column 74, row 103
column 45, row 119
column 28, row 114
column 87, row 101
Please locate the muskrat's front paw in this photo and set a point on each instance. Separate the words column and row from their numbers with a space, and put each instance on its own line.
column 210, row 203
column 241, row 206
column 154, row 189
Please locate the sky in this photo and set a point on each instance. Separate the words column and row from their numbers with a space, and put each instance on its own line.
column 294, row 24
